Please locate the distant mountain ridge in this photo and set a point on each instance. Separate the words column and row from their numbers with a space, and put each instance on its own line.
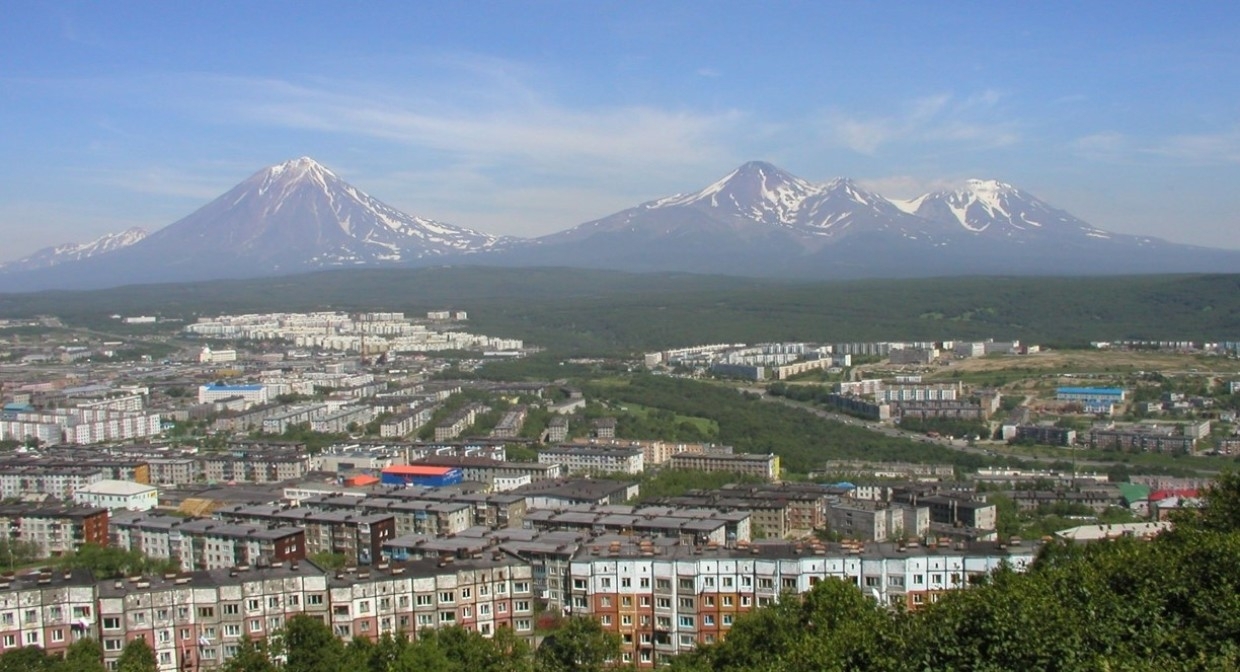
column 758, row 220
column 59, row 254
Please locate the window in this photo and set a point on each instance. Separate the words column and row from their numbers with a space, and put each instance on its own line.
column 162, row 614
column 644, row 582
column 872, row 581
column 403, row 601
column 365, row 626
column 522, row 605
column 385, row 603
column 728, row 581
column 727, row 600
column 523, row 624
column 484, row 610
column 790, row 584
column 232, row 609
column 662, row 584
column 766, row 584
column 111, row 623
column 447, row 596
column 686, row 603
column 315, row 599
column 165, row 658
column 746, row 601
column 644, row 600
column 606, row 619
column 918, row 579
column 55, row 613
column 10, row 641
column 275, row 622
column 467, row 612
column 727, row 619
column 466, row 593
column 109, row 644
column 625, row 619
column 707, row 619
column 447, row 617
column 579, row 584
column 232, row 630
column 687, row 621
column 521, row 587
column 363, row 607
column 206, row 612
column 58, row 635
column 341, row 610
column 32, row 638
column 32, row 615
column 208, row 653
column 664, row 603
column 256, row 625
column 424, row 620
column 708, row 581
column 7, row 618
column 686, row 640
column 182, row 613
column 422, row 600
column 184, row 633
column 747, row 581
column 606, row 581
column 294, row 600
column 139, row 617
column 484, row 589
column 686, row 584
column 708, row 600
column 605, row 601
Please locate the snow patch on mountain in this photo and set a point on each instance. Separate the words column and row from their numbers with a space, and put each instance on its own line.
column 59, row 254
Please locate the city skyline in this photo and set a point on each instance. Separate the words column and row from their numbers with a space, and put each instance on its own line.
column 532, row 119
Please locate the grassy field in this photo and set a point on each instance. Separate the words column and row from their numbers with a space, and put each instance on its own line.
column 706, row 425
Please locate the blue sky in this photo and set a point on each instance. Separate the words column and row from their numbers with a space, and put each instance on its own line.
column 524, row 118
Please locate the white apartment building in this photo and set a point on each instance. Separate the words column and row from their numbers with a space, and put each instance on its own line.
column 112, row 494
column 592, row 460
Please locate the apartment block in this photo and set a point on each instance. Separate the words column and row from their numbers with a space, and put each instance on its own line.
column 666, row 600
column 748, row 464
column 594, row 460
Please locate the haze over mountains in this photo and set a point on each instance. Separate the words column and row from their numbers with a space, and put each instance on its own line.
column 758, row 220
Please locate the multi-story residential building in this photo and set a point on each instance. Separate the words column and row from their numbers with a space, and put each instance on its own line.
column 252, row 394
column 877, row 521
column 358, row 537
column 59, row 482
column 1112, row 395
column 54, row 530
column 557, row 429
column 665, row 600
column 1046, row 434
column 892, row 393
column 256, row 465
column 346, row 419
column 604, row 428
column 458, row 422
column 47, row 609
column 509, row 426
column 950, row 510
column 748, row 464
column 594, row 460
column 204, row 543
column 1158, row 439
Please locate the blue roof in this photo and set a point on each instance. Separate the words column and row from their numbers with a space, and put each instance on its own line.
column 236, row 388
column 1090, row 390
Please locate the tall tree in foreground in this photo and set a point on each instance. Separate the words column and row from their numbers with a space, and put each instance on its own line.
column 581, row 645
column 137, row 657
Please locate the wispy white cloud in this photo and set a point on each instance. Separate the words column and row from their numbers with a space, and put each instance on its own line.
column 1187, row 149
column 1201, row 148
column 942, row 118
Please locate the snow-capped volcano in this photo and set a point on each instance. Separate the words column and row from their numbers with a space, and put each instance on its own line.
column 997, row 209
column 299, row 213
column 290, row 217
column 59, row 254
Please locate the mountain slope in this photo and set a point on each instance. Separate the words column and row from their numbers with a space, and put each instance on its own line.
column 68, row 252
column 290, row 217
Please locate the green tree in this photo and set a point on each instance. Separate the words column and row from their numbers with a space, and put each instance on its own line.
column 581, row 645
column 137, row 657
column 250, row 657
column 310, row 646
column 27, row 659
column 84, row 655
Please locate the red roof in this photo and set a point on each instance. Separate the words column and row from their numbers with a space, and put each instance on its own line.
column 362, row 479
column 1164, row 494
column 417, row 470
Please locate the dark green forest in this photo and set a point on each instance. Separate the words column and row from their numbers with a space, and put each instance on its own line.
column 609, row 312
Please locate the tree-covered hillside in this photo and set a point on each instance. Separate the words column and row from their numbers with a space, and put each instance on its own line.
column 610, row 312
